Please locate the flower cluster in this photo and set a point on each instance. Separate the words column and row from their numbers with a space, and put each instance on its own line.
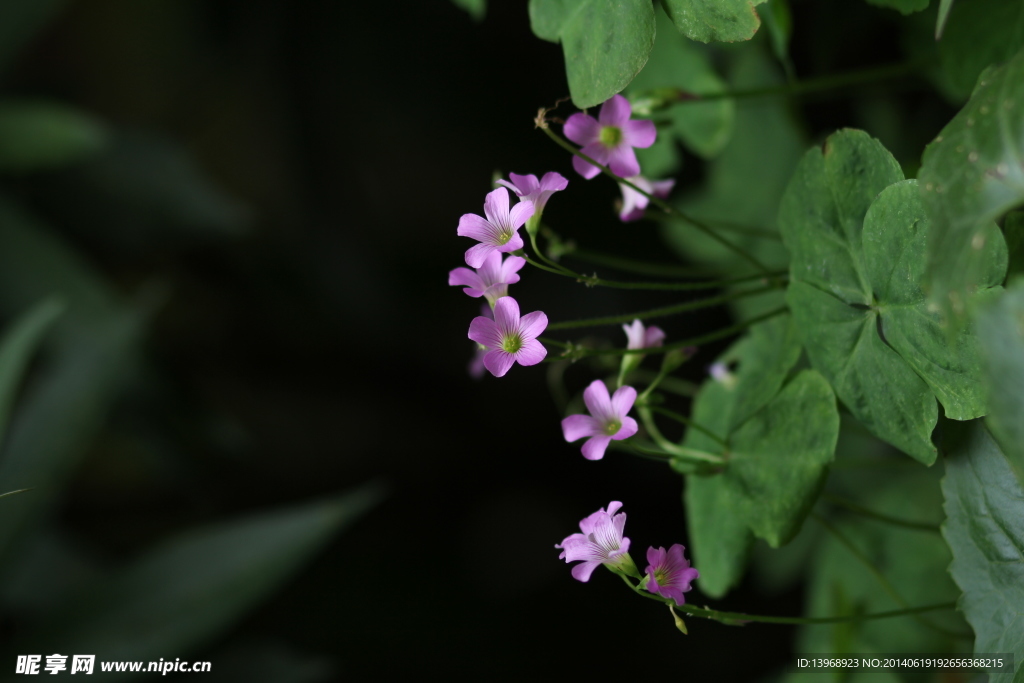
column 505, row 337
column 601, row 541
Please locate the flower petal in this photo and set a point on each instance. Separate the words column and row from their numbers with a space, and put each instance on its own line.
column 662, row 188
column 510, row 269
column 484, row 331
column 584, row 168
column 634, row 334
column 582, row 572
column 628, row 429
column 654, row 336
column 464, row 277
column 474, row 226
column 513, row 244
column 639, row 133
column 595, row 447
column 553, row 182
column 520, row 213
column 598, row 402
column 575, row 427
column 622, row 401
column 622, row 161
column 476, row 255
column 525, row 184
column 532, row 324
column 615, row 111
column 582, row 128
column 531, row 353
column 506, row 315
column 498, row 362
column 496, row 206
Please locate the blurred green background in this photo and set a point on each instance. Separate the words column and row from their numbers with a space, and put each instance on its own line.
column 250, row 434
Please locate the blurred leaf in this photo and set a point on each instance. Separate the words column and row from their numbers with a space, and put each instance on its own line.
column 144, row 193
column 95, row 345
column 605, row 44
column 913, row 561
column 191, row 588
column 16, row 349
column 980, row 33
column 660, row 159
column 902, row 6
column 1001, row 330
column 704, row 127
column 778, row 19
column 970, row 175
column 983, row 503
column 940, row 22
column 37, row 136
column 859, row 237
column 20, row 20
column 475, row 8
column 714, row 20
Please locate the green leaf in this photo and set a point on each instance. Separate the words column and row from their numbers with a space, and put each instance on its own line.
column 476, row 8
column 1001, row 330
column 16, row 349
column 675, row 62
column 778, row 19
column 37, row 136
column 780, row 443
column 857, row 298
column 970, row 175
column 605, row 43
column 902, row 6
column 720, row 539
column 191, row 588
column 20, row 21
column 980, row 33
column 714, row 20
column 983, row 528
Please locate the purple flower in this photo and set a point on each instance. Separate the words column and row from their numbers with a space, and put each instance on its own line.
column 669, row 573
column 639, row 338
column 499, row 231
column 508, row 337
column 600, row 543
column 607, row 419
column 528, row 188
column 610, row 139
column 634, row 203
column 719, row 372
column 476, row 363
column 491, row 279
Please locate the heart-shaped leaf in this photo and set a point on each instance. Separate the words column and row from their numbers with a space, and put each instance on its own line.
column 715, row 20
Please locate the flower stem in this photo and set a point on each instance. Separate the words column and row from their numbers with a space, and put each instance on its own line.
column 871, row 514
column 663, row 311
column 832, row 82
column 676, row 451
column 690, row 423
column 718, row 615
column 642, row 267
column 657, row 201
column 594, row 281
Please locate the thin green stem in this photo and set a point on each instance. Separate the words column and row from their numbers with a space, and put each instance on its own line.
column 594, row 281
column 657, row 201
column 673, row 385
column 674, row 450
column 718, row 615
column 832, row 82
column 879, row 577
column 661, row 312
column 881, row 517
column 640, row 451
column 642, row 267
column 728, row 226
column 682, row 419
column 581, row 352
column 552, row 265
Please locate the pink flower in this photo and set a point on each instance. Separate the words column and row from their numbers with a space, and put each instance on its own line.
column 610, row 139
column 499, row 231
column 634, row 203
column 607, row 419
column 476, row 363
column 600, row 543
column 528, row 188
column 670, row 574
column 639, row 338
column 491, row 279
column 509, row 338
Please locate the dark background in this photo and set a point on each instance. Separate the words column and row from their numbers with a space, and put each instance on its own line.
column 309, row 342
